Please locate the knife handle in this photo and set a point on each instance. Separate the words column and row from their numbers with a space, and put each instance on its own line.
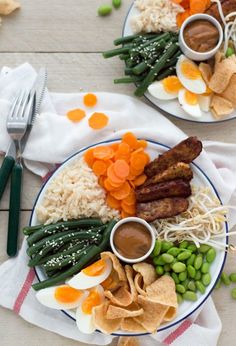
column 5, row 172
column 14, row 210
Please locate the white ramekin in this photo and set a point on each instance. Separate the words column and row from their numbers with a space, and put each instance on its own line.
column 191, row 54
column 142, row 222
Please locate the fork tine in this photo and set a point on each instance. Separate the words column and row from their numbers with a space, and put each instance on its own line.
column 22, row 103
column 12, row 110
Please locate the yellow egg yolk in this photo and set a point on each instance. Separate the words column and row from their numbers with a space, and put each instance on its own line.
column 92, row 300
column 172, row 84
column 67, row 294
column 190, row 71
column 95, row 269
column 190, row 98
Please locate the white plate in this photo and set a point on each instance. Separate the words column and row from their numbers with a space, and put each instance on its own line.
column 171, row 107
column 200, row 179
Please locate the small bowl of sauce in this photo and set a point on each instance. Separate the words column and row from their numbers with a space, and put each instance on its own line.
column 200, row 37
column 132, row 240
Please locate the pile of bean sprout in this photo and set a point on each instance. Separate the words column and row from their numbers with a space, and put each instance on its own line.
column 202, row 223
column 229, row 22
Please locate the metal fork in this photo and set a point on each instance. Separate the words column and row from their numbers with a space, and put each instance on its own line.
column 17, row 123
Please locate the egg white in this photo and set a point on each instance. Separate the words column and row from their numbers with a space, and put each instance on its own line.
column 46, row 297
column 157, row 90
column 193, row 110
column 84, row 321
column 196, row 86
column 83, row 281
column 204, row 102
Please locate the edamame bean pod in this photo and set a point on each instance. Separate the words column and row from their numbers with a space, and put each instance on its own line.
column 180, row 288
column 211, row 255
column 166, row 245
column 159, row 270
column 189, row 295
column 174, row 251
column 218, row 284
column 175, row 278
column 192, row 247
column 233, row 293
column 191, row 260
column 184, row 244
column 232, row 277
column 198, row 262
column 185, row 283
column 104, row 10
column 116, row 3
column 183, row 276
column 201, row 288
column 158, row 261
column 167, row 258
column 179, row 267
column 204, row 248
column 192, row 286
column 198, row 275
column 205, row 267
column 179, row 298
column 167, row 267
column 206, row 279
column 157, row 248
column 184, row 255
column 225, row 279
column 191, row 271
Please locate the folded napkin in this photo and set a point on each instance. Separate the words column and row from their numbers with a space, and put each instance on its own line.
column 51, row 141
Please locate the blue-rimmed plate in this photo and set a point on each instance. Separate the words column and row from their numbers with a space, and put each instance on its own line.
column 171, row 107
column 200, row 179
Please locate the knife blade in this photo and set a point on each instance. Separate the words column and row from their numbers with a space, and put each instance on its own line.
column 37, row 93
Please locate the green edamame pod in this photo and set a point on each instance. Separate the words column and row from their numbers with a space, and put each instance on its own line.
column 175, row 278
column 184, row 255
column 232, row 277
column 225, row 279
column 116, row 3
column 192, row 286
column 174, row 251
column 206, row 279
column 184, row 244
column 185, row 283
column 201, row 288
column 167, row 267
column 198, row 275
column 167, row 258
column 218, row 284
column 198, row 262
column 179, row 298
column 233, row 293
column 211, row 255
column 179, row 267
column 189, row 295
column 104, row 10
column 191, row 271
column 192, row 247
column 159, row 270
column 183, row 276
column 191, row 260
column 204, row 248
column 205, row 267
column 158, row 261
column 157, row 248
column 166, row 245
column 180, row 288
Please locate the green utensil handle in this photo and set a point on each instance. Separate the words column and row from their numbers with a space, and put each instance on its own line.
column 5, row 172
column 14, row 210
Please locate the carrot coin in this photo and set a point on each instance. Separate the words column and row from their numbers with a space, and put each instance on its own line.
column 124, row 214
column 140, row 180
column 112, row 175
column 89, row 158
column 128, row 208
column 103, row 152
column 98, row 121
column 99, row 167
column 76, row 115
column 130, row 199
column 121, row 192
column 112, row 202
column 121, row 169
column 130, row 139
column 90, row 100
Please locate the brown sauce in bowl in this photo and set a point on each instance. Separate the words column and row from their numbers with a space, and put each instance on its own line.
column 132, row 240
column 201, row 36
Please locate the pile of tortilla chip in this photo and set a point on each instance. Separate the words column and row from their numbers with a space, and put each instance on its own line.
column 221, row 79
column 136, row 300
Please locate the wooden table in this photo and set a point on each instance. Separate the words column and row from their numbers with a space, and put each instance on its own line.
column 67, row 37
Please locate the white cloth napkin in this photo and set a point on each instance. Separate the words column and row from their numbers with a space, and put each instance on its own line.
column 52, row 140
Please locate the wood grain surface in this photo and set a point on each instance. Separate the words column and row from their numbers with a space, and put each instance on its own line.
column 67, row 37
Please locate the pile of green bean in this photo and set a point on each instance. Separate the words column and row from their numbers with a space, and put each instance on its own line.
column 148, row 57
column 64, row 248
column 188, row 266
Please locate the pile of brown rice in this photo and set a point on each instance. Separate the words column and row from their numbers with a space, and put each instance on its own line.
column 74, row 193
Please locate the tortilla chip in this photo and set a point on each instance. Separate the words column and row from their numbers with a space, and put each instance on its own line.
column 118, row 273
column 138, row 282
column 8, row 6
column 162, row 291
column 153, row 314
column 132, row 310
column 130, row 277
column 128, row 341
column 206, row 72
column 130, row 325
column 230, row 92
column 170, row 314
column 121, row 297
column 147, row 271
column 221, row 107
column 101, row 322
column 224, row 70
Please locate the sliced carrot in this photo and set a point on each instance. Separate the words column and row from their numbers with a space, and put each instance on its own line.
column 114, row 146
column 132, row 184
column 181, row 17
column 103, row 152
column 90, row 100
column 138, row 161
column 76, row 115
column 130, row 209
column 112, row 176
column 121, row 169
column 184, row 4
column 130, row 199
column 99, row 167
column 101, row 181
column 89, row 158
column 124, row 214
column 122, row 192
column 142, row 143
column 130, row 139
column 108, row 185
column 126, row 157
column 123, row 149
column 112, row 202
column 197, row 6
column 140, row 180
column 131, row 176
column 135, row 172
column 98, row 121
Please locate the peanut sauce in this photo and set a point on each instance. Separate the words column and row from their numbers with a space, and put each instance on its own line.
column 201, row 36
column 132, row 240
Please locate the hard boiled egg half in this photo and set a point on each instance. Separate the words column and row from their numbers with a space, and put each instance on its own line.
column 189, row 102
column 190, row 75
column 92, row 275
column 61, row 297
column 84, row 318
column 166, row 89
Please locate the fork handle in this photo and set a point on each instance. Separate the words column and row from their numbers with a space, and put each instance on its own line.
column 14, row 210
column 5, row 172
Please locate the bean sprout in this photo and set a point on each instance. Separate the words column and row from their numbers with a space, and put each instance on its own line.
column 202, row 223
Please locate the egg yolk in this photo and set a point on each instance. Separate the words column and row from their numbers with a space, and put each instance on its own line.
column 92, row 300
column 190, row 98
column 67, row 294
column 95, row 269
column 172, row 84
column 189, row 70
